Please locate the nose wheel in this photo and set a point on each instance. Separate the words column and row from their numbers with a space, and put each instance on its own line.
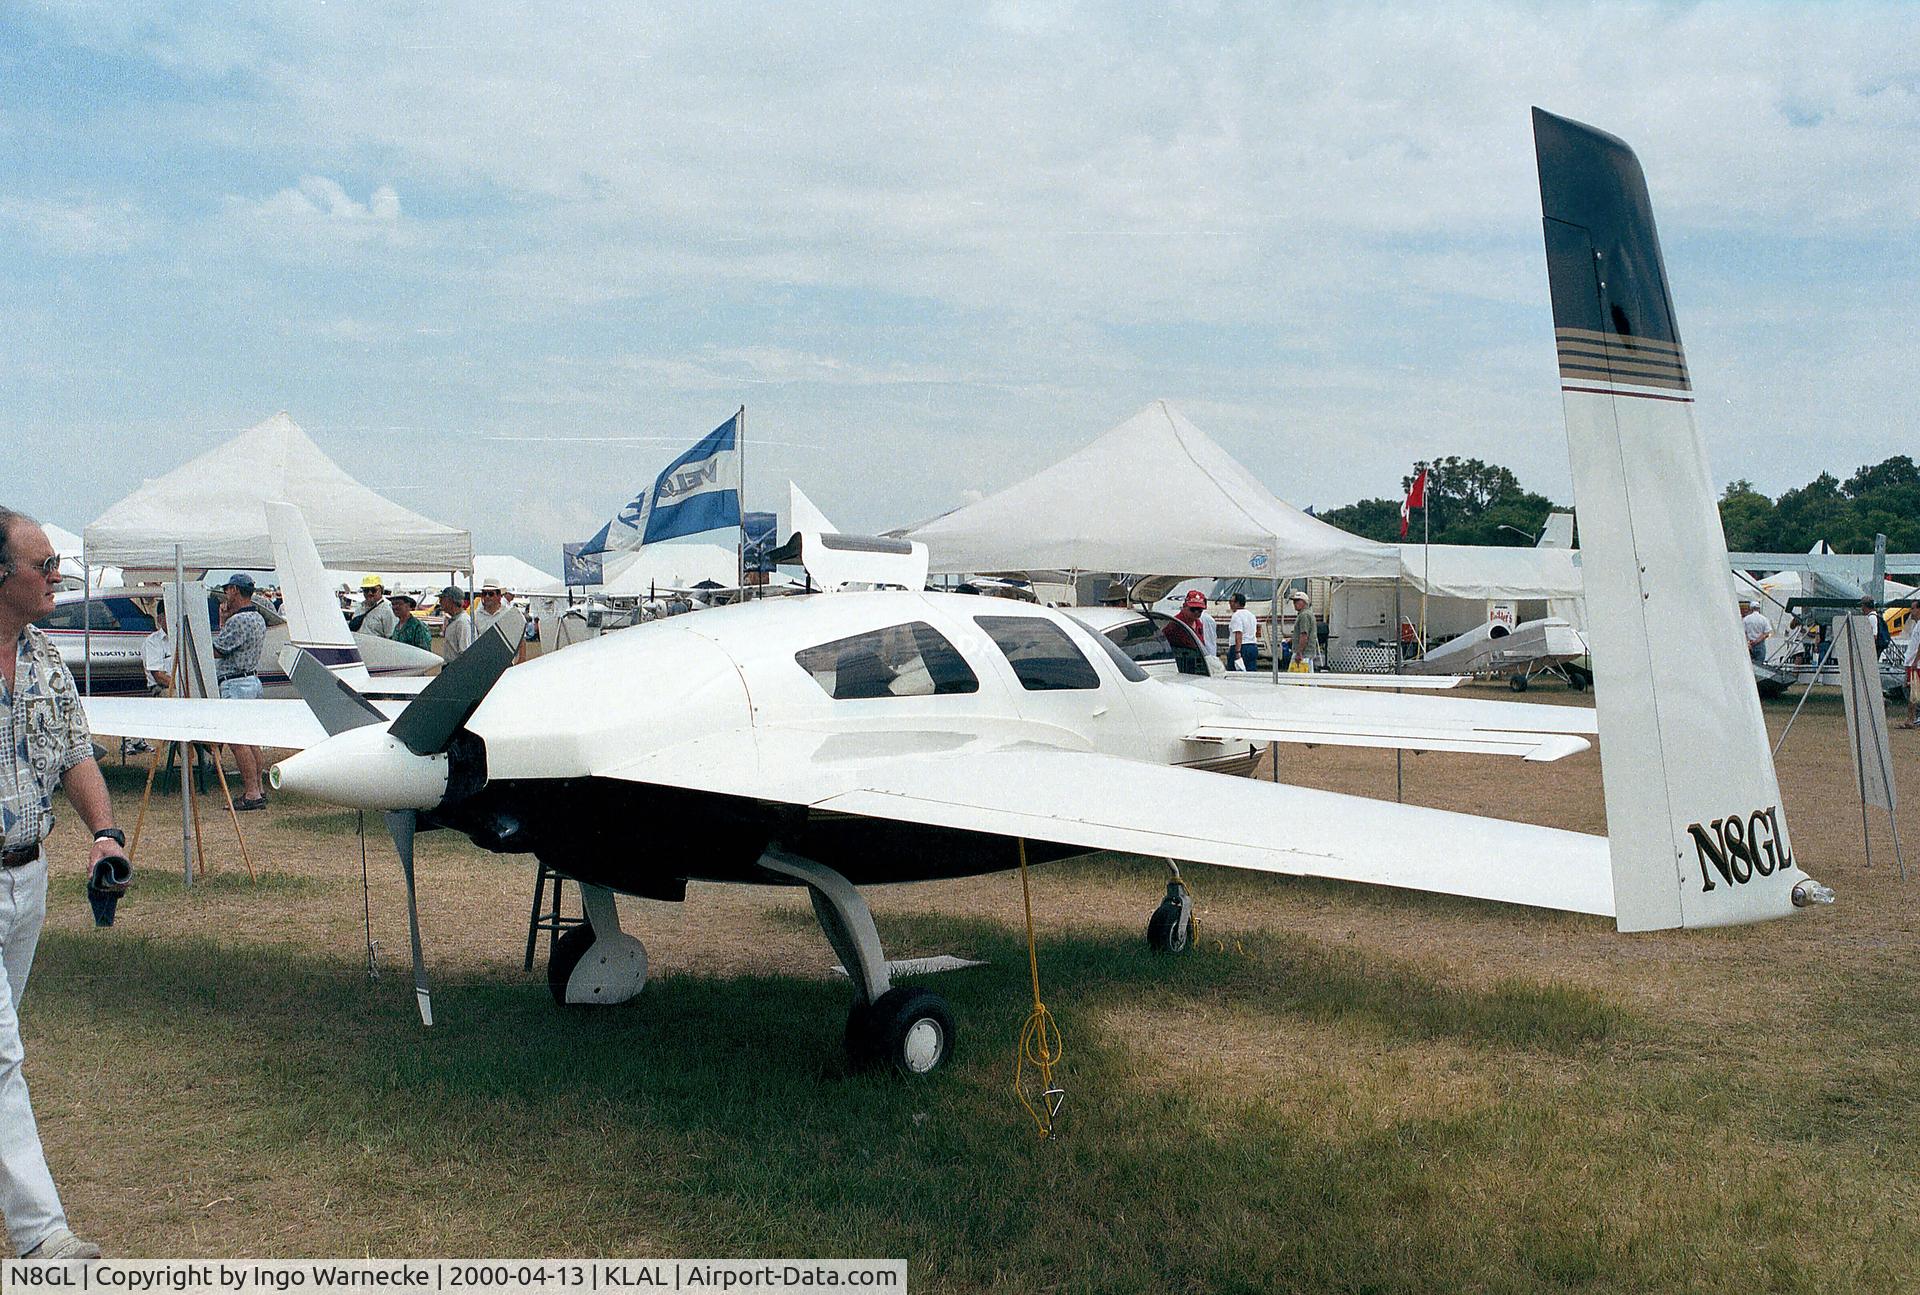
column 1170, row 929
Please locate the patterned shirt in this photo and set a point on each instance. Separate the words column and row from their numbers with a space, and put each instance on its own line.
column 414, row 632
column 43, row 733
column 237, row 645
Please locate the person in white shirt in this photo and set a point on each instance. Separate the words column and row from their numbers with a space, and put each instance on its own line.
column 1757, row 628
column 495, row 610
column 376, row 615
column 1243, row 637
column 1911, row 659
column 458, row 631
column 156, row 655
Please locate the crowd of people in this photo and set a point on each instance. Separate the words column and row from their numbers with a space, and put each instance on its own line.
column 397, row 617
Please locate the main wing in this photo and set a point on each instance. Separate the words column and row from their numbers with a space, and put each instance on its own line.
column 213, row 720
column 1104, row 802
column 1351, row 718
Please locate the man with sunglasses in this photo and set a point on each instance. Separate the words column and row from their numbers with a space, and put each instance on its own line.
column 44, row 740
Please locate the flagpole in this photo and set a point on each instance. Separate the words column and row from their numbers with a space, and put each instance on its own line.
column 740, row 448
column 1426, row 563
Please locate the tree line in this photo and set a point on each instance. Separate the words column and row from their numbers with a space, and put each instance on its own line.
column 1483, row 503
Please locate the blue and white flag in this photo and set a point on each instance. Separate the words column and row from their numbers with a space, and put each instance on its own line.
column 578, row 570
column 699, row 491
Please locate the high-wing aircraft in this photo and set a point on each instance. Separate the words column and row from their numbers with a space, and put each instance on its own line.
column 853, row 739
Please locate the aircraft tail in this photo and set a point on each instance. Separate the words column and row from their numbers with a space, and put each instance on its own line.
column 314, row 622
column 1695, row 826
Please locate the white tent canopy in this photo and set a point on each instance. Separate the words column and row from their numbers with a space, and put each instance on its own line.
column 67, row 546
column 212, row 508
column 509, row 572
column 1489, row 572
column 1153, row 496
column 65, row 542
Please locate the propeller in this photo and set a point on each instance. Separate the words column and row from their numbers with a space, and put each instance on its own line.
column 426, row 728
column 400, row 826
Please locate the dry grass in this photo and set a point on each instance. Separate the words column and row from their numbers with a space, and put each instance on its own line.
column 1345, row 1088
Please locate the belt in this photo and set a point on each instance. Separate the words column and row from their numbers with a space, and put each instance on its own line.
column 21, row 857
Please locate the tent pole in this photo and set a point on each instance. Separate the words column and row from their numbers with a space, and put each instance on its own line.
column 1273, row 619
column 86, row 623
column 182, row 646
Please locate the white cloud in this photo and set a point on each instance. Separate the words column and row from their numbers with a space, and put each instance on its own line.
column 76, row 228
column 318, row 199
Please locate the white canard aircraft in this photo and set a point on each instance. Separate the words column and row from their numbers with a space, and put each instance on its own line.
column 854, row 739
column 1519, row 652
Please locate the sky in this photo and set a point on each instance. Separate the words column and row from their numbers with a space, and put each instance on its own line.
column 503, row 262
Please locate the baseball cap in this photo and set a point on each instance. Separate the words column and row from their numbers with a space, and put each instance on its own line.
column 372, row 582
column 1195, row 599
column 239, row 580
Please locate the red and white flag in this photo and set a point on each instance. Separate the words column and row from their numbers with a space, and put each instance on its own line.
column 1416, row 498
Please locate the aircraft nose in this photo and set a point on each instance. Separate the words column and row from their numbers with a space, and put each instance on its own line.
column 364, row 768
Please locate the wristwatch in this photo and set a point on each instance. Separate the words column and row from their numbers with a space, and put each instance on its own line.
column 113, row 834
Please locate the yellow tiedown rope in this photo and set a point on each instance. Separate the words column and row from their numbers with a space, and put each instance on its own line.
column 1040, row 1044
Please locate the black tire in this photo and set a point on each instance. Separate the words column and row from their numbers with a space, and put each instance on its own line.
column 1517, row 682
column 1578, row 679
column 908, row 1031
column 1166, row 932
column 567, row 952
column 1770, row 688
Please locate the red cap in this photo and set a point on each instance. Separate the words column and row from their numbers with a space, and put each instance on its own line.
column 1195, row 598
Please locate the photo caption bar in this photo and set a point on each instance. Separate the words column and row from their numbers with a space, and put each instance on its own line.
column 451, row 1276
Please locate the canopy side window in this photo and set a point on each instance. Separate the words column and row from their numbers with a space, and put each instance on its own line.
column 1140, row 640
column 912, row 660
column 1129, row 671
column 1044, row 659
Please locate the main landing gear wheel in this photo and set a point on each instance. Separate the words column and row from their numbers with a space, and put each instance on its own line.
column 1517, row 682
column 596, row 964
column 909, row 1031
column 1170, row 929
column 567, row 952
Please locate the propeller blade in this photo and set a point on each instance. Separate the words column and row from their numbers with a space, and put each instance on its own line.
column 333, row 702
column 428, row 724
column 400, row 824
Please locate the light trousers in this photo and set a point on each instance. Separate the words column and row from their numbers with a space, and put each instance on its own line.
column 27, row 1196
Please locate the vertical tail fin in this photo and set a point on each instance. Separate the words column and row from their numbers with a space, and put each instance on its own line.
column 1696, row 831
column 314, row 622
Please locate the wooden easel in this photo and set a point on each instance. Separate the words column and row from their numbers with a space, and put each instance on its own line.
column 186, row 750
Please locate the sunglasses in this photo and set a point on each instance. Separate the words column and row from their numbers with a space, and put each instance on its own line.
column 47, row 566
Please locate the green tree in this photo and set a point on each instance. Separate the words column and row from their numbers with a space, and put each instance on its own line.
column 1746, row 516
column 1472, row 503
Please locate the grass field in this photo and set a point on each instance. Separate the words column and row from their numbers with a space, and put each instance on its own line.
column 1343, row 1089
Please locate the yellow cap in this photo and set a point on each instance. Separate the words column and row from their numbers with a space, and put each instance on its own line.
column 373, row 582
